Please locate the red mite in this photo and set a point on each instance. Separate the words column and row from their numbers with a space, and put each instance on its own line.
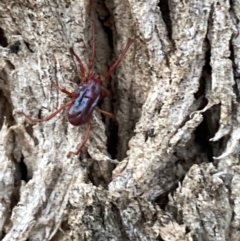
column 85, row 99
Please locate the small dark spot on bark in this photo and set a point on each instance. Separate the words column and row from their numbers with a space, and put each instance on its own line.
column 151, row 133
column 14, row 48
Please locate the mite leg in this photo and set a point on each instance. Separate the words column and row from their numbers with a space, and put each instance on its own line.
column 91, row 61
column 69, row 94
column 84, row 141
column 116, row 64
column 48, row 117
column 110, row 115
column 81, row 67
column 103, row 93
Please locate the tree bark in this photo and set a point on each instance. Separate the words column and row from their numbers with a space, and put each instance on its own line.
column 167, row 166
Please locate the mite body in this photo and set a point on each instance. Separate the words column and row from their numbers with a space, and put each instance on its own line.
column 88, row 97
column 84, row 101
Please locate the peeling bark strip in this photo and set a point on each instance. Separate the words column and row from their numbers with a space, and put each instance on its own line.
column 176, row 132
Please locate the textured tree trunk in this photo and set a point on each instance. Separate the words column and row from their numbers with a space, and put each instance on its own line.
column 175, row 134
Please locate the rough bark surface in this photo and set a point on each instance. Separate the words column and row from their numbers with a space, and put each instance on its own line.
column 176, row 134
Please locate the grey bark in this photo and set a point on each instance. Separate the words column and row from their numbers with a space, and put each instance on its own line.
column 175, row 98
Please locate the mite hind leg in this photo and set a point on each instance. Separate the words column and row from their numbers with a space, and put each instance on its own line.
column 84, row 140
column 110, row 115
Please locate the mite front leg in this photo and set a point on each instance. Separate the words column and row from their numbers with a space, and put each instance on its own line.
column 48, row 117
column 84, row 141
column 92, row 59
column 119, row 60
column 69, row 94
column 81, row 67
